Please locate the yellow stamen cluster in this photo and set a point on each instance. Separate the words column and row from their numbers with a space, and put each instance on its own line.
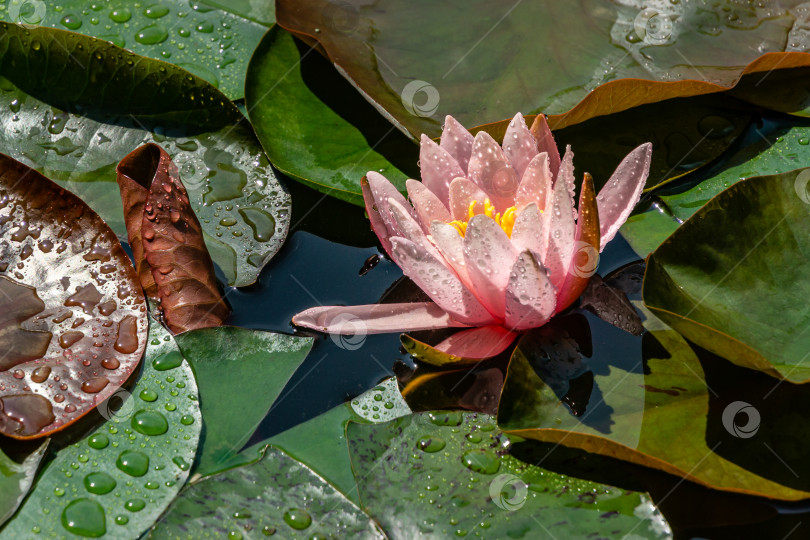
column 505, row 221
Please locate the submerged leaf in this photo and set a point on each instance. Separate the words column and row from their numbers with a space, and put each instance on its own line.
column 74, row 323
column 277, row 495
column 167, row 242
column 118, row 479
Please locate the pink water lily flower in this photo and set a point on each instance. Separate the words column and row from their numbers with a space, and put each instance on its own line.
column 491, row 235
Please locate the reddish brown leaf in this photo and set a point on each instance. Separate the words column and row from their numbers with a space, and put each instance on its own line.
column 167, row 242
column 73, row 321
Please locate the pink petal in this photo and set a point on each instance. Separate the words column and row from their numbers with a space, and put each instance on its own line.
column 535, row 184
column 489, row 255
column 381, row 191
column 374, row 318
column 409, row 228
column 438, row 168
column 427, row 205
column 622, row 192
column 566, row 174
column 457, row 141
column 462, row 193
column 375, row 216
column 529, row 231
column 451, row 245
column 483, row 342
column 519, row 145
column 561, row 231
column 545, row 142
column 493, row 173
column 440, row 283
column 530, row 296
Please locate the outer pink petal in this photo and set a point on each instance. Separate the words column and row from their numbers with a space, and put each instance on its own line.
column 561, row 231
column 535, row 184
column 519, row 145
column 438, row 168
column 462, row 193
column 491, row 170
column 440, row 283
column 375, row 216
column 529, row 231
column 375, row 318
column 410, row 228
column 566, row 174
column 427, row 205
column 545, row 142
column 622, row 192
column 489, row 255
column 483, row 342
column 457, row 141
column 451, row 245
column 530, row 296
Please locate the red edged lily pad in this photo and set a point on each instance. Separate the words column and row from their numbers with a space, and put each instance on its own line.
column 73, row 321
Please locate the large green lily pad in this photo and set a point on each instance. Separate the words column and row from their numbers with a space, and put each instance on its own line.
column 314, row 125
column 118, row 479
column 240, row 373
column 732, row 279
column 663, row 404
column 214, row 44
column 474, row 71
column 445, row 474
column 277, row 495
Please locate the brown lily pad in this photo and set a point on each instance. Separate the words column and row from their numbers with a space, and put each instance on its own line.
column 173, row 263
column 73, row 324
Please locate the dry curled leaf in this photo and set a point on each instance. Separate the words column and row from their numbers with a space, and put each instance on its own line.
column 172, row 261
column 73, row 324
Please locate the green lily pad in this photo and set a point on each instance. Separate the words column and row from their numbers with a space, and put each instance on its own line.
column 243, row 210
column 277, row 495
column 730, row 278
column 315, row 127
column 214, row 44
column 662, row 404
column 240, row 373
column 260, row 11
column 118, row 479
column 16, row 479
column 442, row 474
column 469, row 66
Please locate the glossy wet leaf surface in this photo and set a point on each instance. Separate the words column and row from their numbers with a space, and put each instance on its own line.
column 567, row 49
column 240, row 373
column 74, row 321
column 275, row 496
column 737, row 295
column 442, row 474
column 662, row 403
column 167, row 244
column 315, row 127
column 243, row 210
column 16, row 479
column 117, row 480
column 214, row 44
